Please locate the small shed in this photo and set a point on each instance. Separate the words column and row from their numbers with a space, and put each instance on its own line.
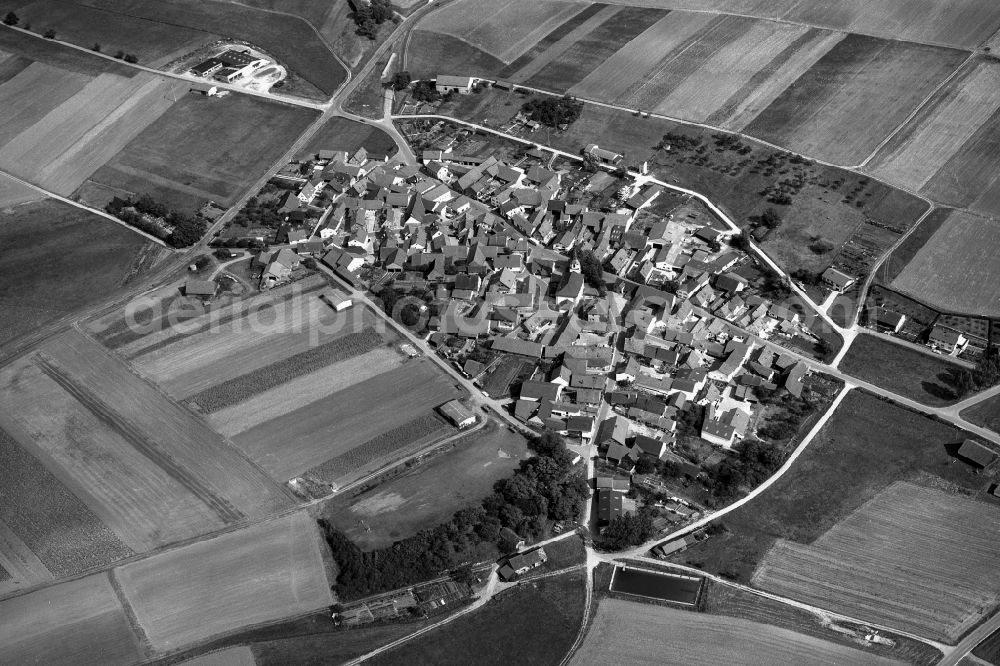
column 200, row 288
column 976, row 453
column 457, row 413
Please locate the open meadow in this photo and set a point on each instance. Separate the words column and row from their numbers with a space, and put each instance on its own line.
column 173, row 29
column 202, row 148
column 915, row 558
column 241, row 655
column 339, row 133
column 958, row 268
column 923, row 376
column 627, row 632
column 985, row 413
column 76, row 622
column 58, row 259
column 533, row 624
column 258, row 574
column 430, row 492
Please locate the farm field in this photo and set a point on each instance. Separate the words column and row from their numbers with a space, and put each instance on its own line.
column 13, row 193
column 86, row 259
column 527, row 624
column 957, row 270
column 914, row 557
column 260, row 573
column 985, row 413
column 79, row 622
column 240, row 655
column 902, row 255
column 963, row 24
column 635, row 633
column 426, row 51
column 853, row 97
column 287, row 38
column 57, row 143
column 150, row 470
column 430, row 492
column 202, row 148
column 57, row 55
column 333, row 425
column 989, row 649
column 924, row 377
column 343, row 134
column 948, row 150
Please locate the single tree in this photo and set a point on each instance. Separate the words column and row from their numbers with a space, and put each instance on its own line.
column 96, row 47
column 50, row 34
column 401, row 80
column 11, row 19
column 119, row 54
column 131, row 58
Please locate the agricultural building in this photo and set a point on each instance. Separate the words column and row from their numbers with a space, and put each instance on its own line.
column 460, row 84
column 523, row 563
column 207, row 68
column 976, row 453
column 206, row 89
column 457, row 413
column 675, row 546
column 200, row 288
column 613, row 483
column 603, row 156
column 610, row 505
column 837, row 280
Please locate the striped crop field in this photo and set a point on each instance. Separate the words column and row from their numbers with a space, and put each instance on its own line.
column 853, row 97
column 958, row 268
column 949, row 151
column 914, row 558
column 627, row 632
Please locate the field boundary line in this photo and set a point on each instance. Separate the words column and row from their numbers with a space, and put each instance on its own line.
column 915, row 111
column 131, row 617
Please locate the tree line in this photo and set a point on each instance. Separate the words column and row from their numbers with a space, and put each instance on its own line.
column 153, row 217
column 544, row 489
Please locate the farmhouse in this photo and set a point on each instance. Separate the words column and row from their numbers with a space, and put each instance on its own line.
column 458, row 414
column 523, row 563
column 201, row 288
column 460, row 84
column 888, row 320
column 947, row 340
column 603, row 156
column 976, row 453
column 836, row 280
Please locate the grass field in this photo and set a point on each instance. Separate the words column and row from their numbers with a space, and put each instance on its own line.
column 853, row 97
column 989, row 649
column 427, row 51
column 534, row 624
column 635, row 633
column 947, row 150
column 985, row 413
column 56, row 55
column 721, row 599
column 258, row 574
column 914, row 557
column 867, row 445
column 342, row 134
column 13, row 194
column 332, row 425
column 924, row 377
column 58, row 259
column 204, row 148
column 902, row 255
column 957, row 270
column 240, row 655
column 430, row 492
column 168, row 27
column 77, row 622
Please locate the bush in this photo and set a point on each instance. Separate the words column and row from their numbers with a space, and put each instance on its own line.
column 96, row 47
column 119, row 54
column 131, row 58
column 11, row 19
column 49, row 34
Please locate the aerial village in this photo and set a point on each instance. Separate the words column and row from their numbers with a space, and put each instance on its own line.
column 636, row 326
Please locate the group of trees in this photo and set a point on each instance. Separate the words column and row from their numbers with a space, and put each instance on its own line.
column 543, row 489
column 553, row 111
column 629, row 529
column 260, row 213
column 984, row 375
column 592, row 270
column 754, row 462
column 151, row 216
column 11, row 19
column 369, row 17
column 400, row 81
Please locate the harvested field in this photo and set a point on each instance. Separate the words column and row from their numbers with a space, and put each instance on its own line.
column 853, row 97
column 431, row 491
column 304, row 389
column 915, row 558
column 922, row 376
column 957, row 270
column 558, row 33
column 33, row 93
column 161, row 430
column 153, row 43
column 426, row 51
column 85, row 258
column 636, row 633
column 504, row 30
column 902, row 255
column 533, row 624
column 240, row 388
column 257, row 574
column 204, row 148
column 563, row 38
column 985, row 413
column 67, row 144
column 77, row 622
column 299, row 440
column 573, row 65
column 47, row 518
column 343, row 134
column 20, row 567
column 938, row 133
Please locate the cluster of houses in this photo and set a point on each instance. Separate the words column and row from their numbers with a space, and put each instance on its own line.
column 941, row 338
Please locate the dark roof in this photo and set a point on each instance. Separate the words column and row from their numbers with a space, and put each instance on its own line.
column 199, row 288
column 975, row 452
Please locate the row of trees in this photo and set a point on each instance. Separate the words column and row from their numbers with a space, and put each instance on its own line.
column 984, row 375
column 542, row 490
column 153, row 217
